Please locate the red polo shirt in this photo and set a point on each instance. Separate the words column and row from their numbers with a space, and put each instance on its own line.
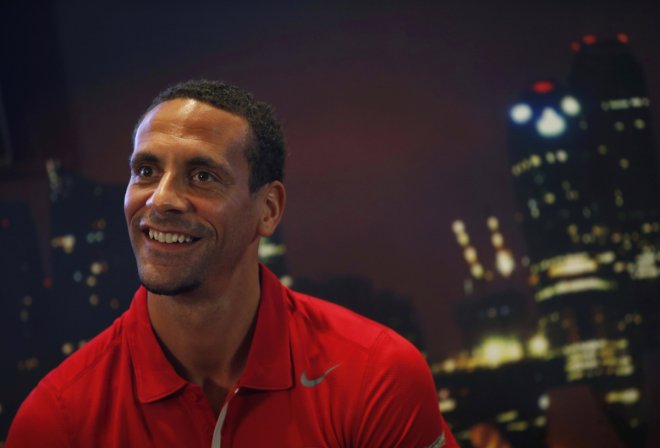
column 317, row 375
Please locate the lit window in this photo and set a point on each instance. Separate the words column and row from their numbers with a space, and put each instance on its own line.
column 624, row 163
column 572, row 265
column 562, row 155
column 538, row 346
column 96, row 268
column 470, row 254
column 536, row 160
column 602, row 149
column 93, row 300
column 447, row 406
column 477, row 270
column 570, row 106
column 497, row 239
column 506, row 417
column 463, row 239
column 549, row 198
column 268, row 250
column 640, row 124
column 521, row 113
column 572, row 286
column 66, row 242
column 550, row 157
column 505, row 263
column 618, row 200
column 458, row 226
column 551, row 124
column 619, row 126
column 492, row 223
column 67, row 349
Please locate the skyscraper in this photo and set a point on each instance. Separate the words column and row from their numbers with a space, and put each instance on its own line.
column 585, row 179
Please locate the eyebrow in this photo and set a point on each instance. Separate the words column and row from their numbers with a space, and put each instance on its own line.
column 141, row 158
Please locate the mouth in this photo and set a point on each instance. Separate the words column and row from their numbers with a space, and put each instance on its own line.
column 169, row 237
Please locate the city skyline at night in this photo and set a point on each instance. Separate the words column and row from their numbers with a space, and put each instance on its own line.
column 400, row 182
column 591, row 259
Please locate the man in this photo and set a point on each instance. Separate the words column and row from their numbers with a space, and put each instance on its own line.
column 214, row 350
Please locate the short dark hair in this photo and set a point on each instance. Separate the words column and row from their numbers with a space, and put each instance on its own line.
column 266, row 154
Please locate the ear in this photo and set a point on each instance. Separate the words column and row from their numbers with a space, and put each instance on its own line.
column 273, row 200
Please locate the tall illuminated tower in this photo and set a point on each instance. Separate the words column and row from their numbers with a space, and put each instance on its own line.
column 618, row 139
column 585, row 179
column 570, row 259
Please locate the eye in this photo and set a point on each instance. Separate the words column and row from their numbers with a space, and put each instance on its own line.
column 145, row 171
column 203, row 176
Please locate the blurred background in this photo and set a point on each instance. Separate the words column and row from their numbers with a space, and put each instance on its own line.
column 482, row 177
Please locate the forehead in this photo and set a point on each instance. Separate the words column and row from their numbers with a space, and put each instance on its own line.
column 188, row 120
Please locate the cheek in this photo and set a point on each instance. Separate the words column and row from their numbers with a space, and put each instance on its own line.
column 133, row 201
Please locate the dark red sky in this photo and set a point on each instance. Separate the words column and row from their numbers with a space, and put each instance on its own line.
column 394, row 114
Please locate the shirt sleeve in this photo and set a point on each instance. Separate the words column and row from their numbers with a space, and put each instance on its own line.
column 400, row 400
column 39, row 421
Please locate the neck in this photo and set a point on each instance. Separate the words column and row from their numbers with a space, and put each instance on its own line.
column 207, row 336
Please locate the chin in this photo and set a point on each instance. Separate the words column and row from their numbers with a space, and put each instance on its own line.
column 171, row 290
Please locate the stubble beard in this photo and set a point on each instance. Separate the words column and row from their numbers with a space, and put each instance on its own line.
column 171, row 287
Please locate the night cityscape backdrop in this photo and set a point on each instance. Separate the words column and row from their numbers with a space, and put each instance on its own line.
column 482, row 178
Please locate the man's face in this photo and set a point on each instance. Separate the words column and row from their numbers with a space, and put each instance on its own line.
column 191, row 218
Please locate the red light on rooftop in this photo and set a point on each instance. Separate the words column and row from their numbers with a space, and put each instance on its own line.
column 543, row 87
column 48, row 282
column 575, row 46
column 622, row 37
column 5, row 223
column 589, row 39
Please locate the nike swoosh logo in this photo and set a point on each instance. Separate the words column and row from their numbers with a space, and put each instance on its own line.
column 316, row 381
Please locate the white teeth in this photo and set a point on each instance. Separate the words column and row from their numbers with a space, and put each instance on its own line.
column 169, row 237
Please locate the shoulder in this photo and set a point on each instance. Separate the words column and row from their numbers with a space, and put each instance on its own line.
column 376, row 354
column 331, row 320
column 87, row 360
column 52, row 404
column 383, row 384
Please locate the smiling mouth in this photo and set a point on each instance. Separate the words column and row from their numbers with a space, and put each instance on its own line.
column 169, row 238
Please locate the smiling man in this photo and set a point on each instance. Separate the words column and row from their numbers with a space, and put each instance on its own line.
column 214, row 350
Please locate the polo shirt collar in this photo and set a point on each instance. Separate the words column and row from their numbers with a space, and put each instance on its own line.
column 268, row 367
column 155, row 377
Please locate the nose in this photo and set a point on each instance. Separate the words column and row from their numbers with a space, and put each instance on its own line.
column 169, row 196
